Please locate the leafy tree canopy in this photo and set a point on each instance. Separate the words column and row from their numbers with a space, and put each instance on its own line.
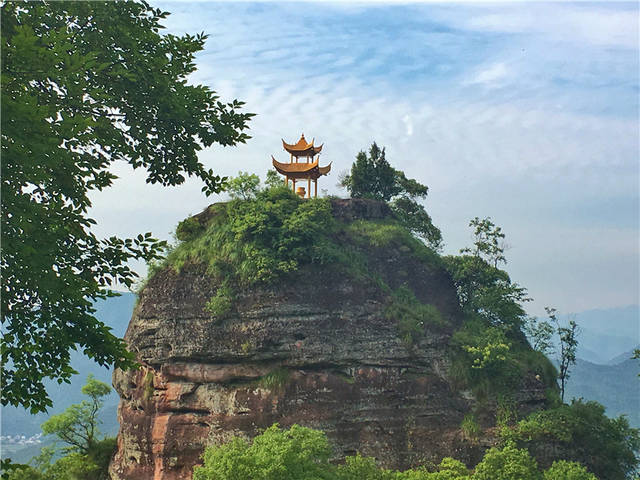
column 540, row 334
column 372, row 176
column 244, row 186
column 303, row 454
column 490, row 352
column 568, row 336
column 85, row 84
column 564, row 470
column 86, row 454
column 507, row 463
column 77, row 426
column 298, row 453
column 582, row 432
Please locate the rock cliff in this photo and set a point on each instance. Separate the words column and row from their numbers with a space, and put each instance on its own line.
column 317, row 348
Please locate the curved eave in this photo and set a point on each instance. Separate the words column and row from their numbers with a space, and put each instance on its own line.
column 300, row 170
column 302, row 148
column 325, row 170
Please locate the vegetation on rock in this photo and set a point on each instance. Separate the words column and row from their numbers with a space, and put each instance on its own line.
column 257, row 240
column 411, row 315
column 490, row 352
column 86, row 84
column 263, row 234
column 372, row 176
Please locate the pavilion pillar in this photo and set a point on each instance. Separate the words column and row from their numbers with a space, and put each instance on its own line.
column 309, row 187
column 315, row 186
column 294, row 185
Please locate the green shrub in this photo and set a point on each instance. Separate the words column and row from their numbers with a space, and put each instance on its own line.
column 101, row 455
column 379, row 233
column 303, row 454
column 414, row 474
column 483, row 360
column 506, row 411
column 390, row 234
column 537, row 364
column 449, row 469
column 220, row 304
column 188, row 229
column 259, row 240
column 563, row 470
column 245, row 185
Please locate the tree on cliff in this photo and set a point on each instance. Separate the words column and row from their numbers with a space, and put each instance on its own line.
column 86, row 84
column 372, row 176
column 568, row 336
column 484, row 290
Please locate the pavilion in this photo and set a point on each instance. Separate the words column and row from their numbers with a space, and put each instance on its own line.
column 302, row 170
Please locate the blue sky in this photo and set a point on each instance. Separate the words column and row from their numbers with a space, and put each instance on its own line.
column 525, row 112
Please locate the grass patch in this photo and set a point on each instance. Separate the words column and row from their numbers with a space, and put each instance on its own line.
column 470, row 427
column 411, row 315
column 188, row 229
column 539, row 365
column 493, row 364
column 148, row 386
column 380, row 233
column 390, row 234
column 506, row 411
column 275, row 380
column 345, row 377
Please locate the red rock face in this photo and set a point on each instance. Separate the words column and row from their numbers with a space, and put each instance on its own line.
column 317, row 351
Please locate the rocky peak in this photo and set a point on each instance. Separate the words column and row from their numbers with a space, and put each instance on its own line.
column 320, row 348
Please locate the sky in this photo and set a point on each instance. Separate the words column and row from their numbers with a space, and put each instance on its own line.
column 527, row 113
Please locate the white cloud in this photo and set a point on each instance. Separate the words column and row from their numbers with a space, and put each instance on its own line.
column 492, row 76
column 408, row 125
column 576, row 23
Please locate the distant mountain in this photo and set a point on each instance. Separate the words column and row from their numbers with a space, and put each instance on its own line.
column 617, row 387
column 622, row 357
column 604, row 371
column 606, row 333
column 619, row 322
column 114, row 312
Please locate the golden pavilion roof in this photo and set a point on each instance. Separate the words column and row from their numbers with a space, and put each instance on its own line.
column 302, row 148
column 301, row 170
